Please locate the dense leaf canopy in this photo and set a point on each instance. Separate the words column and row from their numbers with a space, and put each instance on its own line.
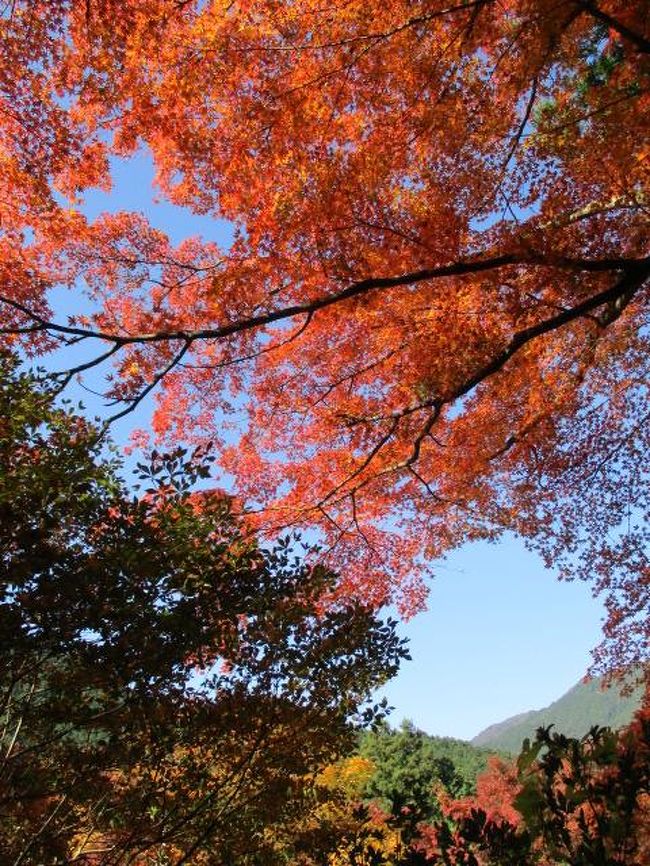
column 410, row 767
column 579, row 801
column 164, row 683
column 436, row 296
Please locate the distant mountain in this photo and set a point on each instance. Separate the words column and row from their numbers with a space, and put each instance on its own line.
column 583, row 706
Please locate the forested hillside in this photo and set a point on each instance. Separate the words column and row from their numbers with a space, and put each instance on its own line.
column 419, row 800
column 584, row 705
column 409, row 765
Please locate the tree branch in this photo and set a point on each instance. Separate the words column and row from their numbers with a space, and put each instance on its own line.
column 354, row 290
column 635, row 272
column 614, row 299
column 596, row 12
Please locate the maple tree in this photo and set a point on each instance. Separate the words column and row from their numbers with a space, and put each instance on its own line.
column 168, row 690
column 436, row 295
column 580, row 801
column 583, row 801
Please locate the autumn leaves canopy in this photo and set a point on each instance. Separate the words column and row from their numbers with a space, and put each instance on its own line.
column 431, row 323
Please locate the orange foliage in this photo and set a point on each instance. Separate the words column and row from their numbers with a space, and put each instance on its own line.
column 565, row 801
column 434, row 300
column 496, row 790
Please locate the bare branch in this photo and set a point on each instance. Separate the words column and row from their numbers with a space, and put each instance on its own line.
column 66, row 377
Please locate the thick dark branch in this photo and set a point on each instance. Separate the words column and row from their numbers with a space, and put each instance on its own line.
column 616, row 298
column 634, row 273
column 614, row 24
column 613, row 299
column 354, row 290
column 40, row 323
column 424, row 432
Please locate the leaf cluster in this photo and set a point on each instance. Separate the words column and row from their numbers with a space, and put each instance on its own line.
column 165, row 682
column 580, row 801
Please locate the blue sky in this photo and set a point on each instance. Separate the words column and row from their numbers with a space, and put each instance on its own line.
column 501, row 634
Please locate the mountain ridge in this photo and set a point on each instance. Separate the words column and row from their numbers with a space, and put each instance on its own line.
column 584, row 705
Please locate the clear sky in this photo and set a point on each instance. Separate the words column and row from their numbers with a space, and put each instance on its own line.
column 501, row 635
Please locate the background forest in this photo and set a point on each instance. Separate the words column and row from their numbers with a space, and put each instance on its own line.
column 426, row 326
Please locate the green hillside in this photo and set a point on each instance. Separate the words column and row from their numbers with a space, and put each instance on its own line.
column 583, row 706
column 408, row 763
